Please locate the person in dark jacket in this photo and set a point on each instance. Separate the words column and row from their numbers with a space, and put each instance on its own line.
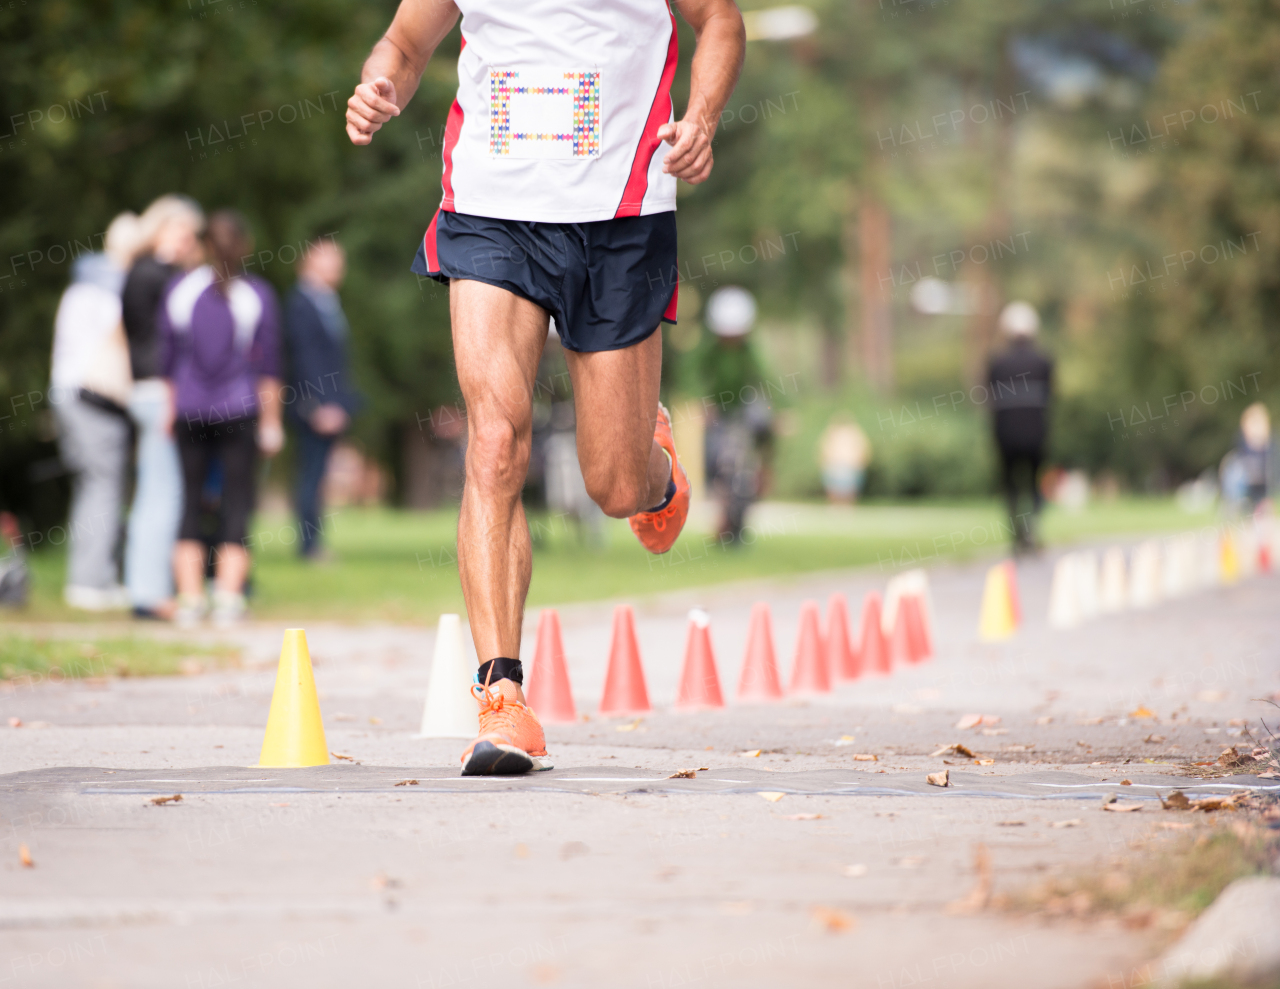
column 1020, row 386
column 321, row 401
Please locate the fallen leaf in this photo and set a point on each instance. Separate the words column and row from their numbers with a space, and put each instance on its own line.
column 976, row 899
column 407, row 783
column 751, row 753
column 1232, row 757
column 939, row 779
column 991, row 719
column 969, row 721
column 703, row 769
column 1270, row 774
column 15, row 723
column 24, row 856
column 832, row 920
column 995, row 731
column 773, row 796
column 1010, row 824
column 1153, row 739
column 984, row 762
column 802, row 817
column 631, row 727
column 683, row 774
column 854, row 871
column 1231, row 802
column 1126, row 782
column 956, row 747
column 1142, row 711
column 865, row 757
column 1122, row 808
column 1074, row 822
column 161, row 801
column 344, row 758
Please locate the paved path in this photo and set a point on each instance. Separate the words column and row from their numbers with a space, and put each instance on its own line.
column 599, row 884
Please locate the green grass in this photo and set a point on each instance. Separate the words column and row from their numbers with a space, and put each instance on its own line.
column 402, row 566
column 23, row 657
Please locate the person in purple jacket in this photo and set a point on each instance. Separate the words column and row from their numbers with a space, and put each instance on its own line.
column 219, row 344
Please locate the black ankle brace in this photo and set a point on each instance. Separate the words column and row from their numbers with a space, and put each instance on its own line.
column 500, row 668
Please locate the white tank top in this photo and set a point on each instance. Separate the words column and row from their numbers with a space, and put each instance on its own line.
column 558, row 108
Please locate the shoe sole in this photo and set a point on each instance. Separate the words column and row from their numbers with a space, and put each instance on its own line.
column 488, row 759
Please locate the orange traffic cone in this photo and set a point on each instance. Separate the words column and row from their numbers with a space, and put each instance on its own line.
column 624, row 689
column 699, row 682
column 911, row 615
column 759, row 680
column 843, row 661
column 809, row 669
column 899, row 640
column 548, row 691
column 873, row 648
column 1015, row 602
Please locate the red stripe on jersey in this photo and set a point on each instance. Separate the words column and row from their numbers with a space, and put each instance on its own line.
column 669, row 314
column 429, row 244
column 452, row 128
column 659, row 114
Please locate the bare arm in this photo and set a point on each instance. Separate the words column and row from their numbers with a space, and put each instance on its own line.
column 270, row 431
column 393, row 69
column 717, row 62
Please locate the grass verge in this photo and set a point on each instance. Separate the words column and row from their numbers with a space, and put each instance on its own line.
column 27, row 658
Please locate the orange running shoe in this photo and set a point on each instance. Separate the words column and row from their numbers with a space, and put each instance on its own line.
column 659, row 530
column 510, row 734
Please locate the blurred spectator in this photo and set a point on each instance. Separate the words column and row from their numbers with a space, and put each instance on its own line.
column 171, row 228
column 15, row 578
column 1248, row 472
column 739, row 432
column 90, row 391
column 316, row 333
column 219, row 350
column 1020, row 385
column 843, row 452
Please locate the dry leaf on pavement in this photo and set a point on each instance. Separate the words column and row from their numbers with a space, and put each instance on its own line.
column 344, row 758
column 865, row 757
column 832, row 920
column 939, row 779
column 1073, row 822
column 683, row 774
column 984, row 762
column 1122, row 808
column 161, row 801
column 751, row 753
column 407, row 783
column 1142, row 711
column 772, row 796
column 629, row 727
column 969, row 721
column 24, row 856
column 956, row 747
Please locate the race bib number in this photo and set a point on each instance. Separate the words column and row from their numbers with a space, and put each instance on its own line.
column 544, row 113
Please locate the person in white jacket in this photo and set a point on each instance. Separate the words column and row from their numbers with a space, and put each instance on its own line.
column 90, row 382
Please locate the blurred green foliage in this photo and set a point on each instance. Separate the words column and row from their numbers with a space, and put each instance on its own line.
column 239, row 103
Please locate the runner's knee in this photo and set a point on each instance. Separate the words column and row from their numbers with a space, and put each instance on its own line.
column 617, row 495
column 498, row 456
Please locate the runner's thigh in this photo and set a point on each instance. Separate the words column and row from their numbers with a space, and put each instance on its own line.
column 615, row 398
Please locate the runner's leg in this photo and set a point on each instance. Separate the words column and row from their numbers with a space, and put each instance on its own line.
column 615, row 397
column 497, row 342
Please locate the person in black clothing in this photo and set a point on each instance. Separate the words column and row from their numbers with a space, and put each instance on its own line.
column 171, row 229
column 1020, row 386
column 322, row 400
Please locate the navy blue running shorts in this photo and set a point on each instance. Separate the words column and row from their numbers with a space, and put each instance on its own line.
column 607, row 284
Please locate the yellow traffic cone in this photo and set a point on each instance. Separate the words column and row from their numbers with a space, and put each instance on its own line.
column 295, row 732
column 997, row 620
column 1228, row 559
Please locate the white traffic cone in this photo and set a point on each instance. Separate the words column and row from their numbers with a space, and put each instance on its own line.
column 451, row 711
column 1114, row 596
column 1144, row 579
column 1064, row 608
column 1086, row 575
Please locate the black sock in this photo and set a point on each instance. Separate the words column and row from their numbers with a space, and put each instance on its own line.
column 671, row 493
column 500, row 668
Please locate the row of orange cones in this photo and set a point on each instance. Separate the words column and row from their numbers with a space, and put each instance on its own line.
column 821, row 658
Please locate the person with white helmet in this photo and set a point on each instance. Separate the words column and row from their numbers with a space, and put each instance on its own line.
column 1020, row 387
